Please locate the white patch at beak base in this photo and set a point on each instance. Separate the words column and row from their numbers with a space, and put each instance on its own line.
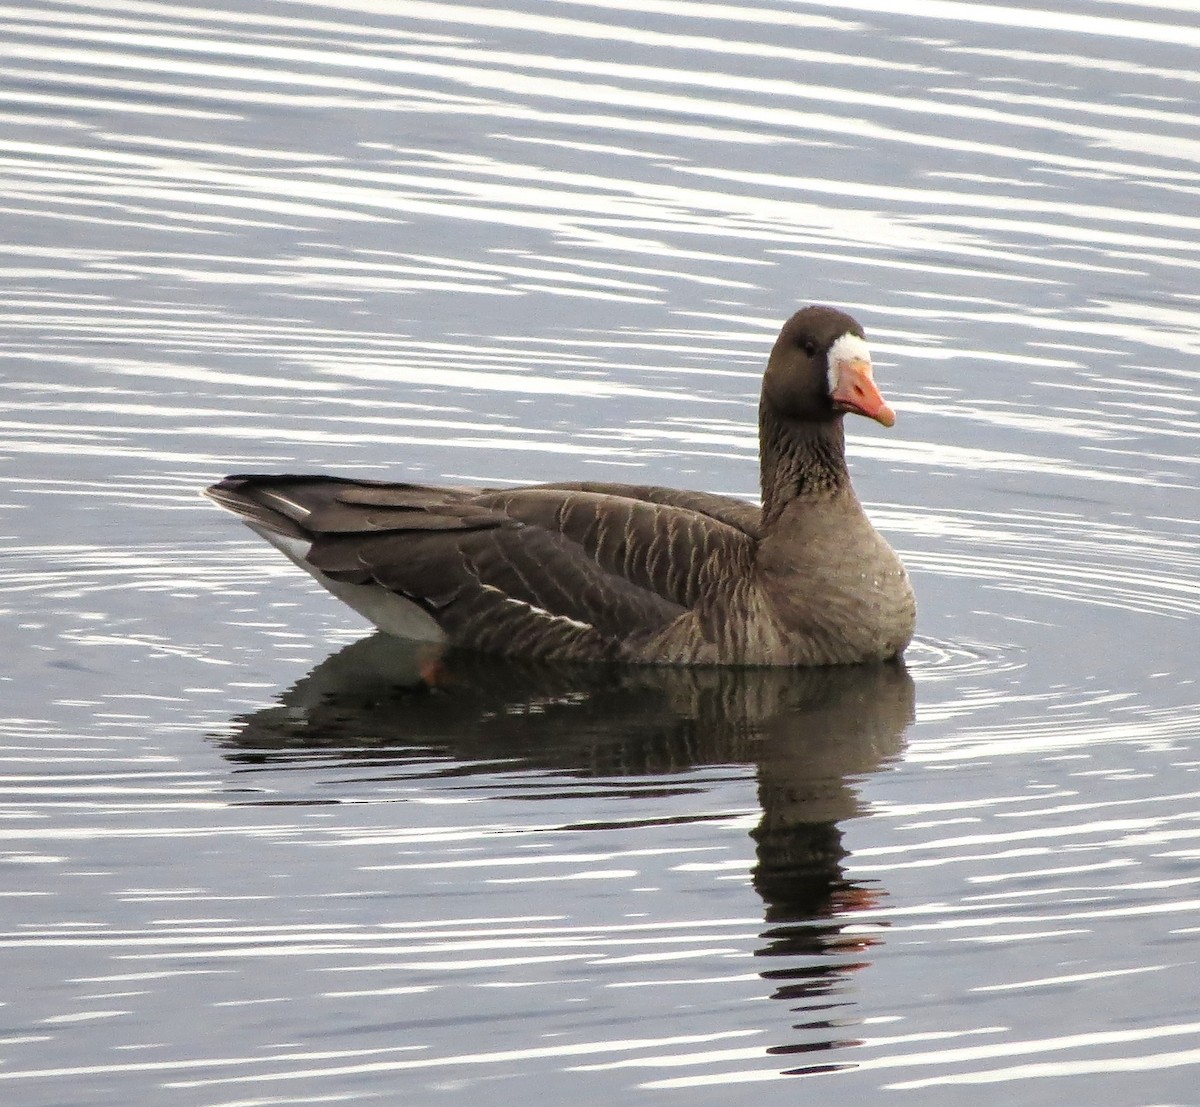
column 847, row 348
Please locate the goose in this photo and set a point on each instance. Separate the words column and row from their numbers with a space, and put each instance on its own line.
column 603, row 572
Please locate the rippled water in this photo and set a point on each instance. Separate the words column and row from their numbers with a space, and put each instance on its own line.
column 244, row 862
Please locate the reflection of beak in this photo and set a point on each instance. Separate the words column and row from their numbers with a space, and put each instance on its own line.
column 855, row 391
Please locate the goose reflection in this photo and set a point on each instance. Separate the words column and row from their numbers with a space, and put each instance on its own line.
column 811, row 734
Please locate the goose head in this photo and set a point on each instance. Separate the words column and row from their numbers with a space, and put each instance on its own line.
column 820, row 368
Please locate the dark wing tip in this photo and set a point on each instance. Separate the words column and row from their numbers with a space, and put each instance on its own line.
column 237, row 494
column 226, row 492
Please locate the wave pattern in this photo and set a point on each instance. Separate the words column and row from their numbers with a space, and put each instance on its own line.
column 520, row 242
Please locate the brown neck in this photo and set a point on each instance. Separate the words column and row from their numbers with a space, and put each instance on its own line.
column 799, row 458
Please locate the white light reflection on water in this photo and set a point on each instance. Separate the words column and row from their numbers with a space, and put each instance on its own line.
column 456, row 242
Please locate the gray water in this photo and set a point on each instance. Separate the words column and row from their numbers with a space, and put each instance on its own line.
column 243, row 862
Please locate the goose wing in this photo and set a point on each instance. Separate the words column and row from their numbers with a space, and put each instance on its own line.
column 548, row 571
column 739, row 514
column 668, row 550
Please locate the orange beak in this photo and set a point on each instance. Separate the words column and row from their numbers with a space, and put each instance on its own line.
column 856, row 391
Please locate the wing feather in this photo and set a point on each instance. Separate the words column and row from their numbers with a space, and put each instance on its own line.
column 739, row 514
column 665, row 549
column 553, row 571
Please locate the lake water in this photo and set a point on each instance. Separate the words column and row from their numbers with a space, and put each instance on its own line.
column 241, row 862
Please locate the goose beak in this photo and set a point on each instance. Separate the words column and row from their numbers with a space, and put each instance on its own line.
column 854, row 390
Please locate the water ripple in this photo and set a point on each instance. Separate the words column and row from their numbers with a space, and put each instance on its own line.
column 442, row 242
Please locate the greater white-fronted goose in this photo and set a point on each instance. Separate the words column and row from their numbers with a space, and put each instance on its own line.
column 590, row 571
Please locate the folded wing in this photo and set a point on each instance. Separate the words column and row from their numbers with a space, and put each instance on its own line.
column 582, row 571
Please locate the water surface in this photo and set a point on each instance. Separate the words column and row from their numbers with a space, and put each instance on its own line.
column 244, row 861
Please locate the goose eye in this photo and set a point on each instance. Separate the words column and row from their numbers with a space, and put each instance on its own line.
column 809, row 346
